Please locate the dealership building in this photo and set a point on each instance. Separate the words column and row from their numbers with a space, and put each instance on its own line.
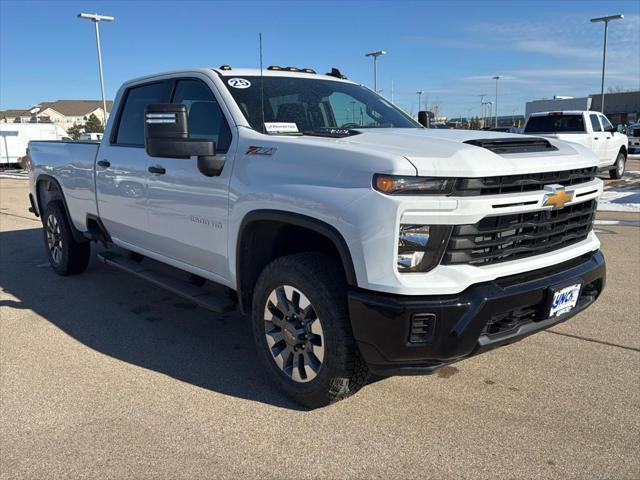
column 619, row 107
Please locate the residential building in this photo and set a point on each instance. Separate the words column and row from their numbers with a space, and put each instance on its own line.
column 65, row 113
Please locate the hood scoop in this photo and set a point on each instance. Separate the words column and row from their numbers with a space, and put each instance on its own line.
column 513, row 145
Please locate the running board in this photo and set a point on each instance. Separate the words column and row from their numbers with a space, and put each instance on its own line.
column 182, row 288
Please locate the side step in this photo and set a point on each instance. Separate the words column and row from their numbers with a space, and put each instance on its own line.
column 182, row 288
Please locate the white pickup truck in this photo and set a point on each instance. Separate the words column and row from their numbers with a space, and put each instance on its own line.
column 633, row 134
column 354, row 239
column 591, row 129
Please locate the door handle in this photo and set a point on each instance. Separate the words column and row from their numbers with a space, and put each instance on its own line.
column 595, row 138
column 104, row 163
column 157, row 169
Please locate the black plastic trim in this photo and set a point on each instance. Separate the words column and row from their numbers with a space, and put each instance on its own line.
column 102, row 234
column 33, row 208
column 299, row 220
column 78, row 236
column 382, row 322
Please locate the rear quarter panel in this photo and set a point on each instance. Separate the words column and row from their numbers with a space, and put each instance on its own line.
column 72, row 165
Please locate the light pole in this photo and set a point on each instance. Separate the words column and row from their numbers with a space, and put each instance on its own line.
column 95, row 18
column 496, row 78
column 489, row 108
column 482, row 95
column 419, row 93
column 606, row 21
column 375, row 55
column 485, row 109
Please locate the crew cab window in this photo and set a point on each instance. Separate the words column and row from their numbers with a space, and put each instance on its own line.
column 572, row 123
column 131, row 121
column 606, row 124
column 595, row 123
column 204, row 115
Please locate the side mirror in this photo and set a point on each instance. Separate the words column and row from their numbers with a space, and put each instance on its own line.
column 166, row 135
column 425, row 118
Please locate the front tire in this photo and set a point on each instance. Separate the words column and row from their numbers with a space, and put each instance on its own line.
column 618, row 168
column 66, row 256
column 302, row 330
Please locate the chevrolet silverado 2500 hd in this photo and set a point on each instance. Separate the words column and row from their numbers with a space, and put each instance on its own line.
column 356, row 240
column 591, row 129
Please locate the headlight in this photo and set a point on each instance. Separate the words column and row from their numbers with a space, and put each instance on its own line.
column 401, row 185
column 420, row 247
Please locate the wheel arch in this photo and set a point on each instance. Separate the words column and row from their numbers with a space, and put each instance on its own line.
column 623, row 149
column 47, row 190
column 260, row 240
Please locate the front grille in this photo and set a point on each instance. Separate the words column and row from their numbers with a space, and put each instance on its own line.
column 635, row 132
column 510, row 237
column 529, row 182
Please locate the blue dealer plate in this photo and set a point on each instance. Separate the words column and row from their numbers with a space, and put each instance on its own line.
column 564, row 300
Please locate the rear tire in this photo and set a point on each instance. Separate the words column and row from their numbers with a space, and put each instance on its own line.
column 618, row 168
column 302, row 330
column 66, row 256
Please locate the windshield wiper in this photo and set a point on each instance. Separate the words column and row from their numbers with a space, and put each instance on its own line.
column 331, row 132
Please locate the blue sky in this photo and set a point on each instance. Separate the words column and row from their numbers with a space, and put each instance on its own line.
column 450, row 50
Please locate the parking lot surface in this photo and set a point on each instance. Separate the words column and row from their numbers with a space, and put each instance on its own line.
column 105, row 376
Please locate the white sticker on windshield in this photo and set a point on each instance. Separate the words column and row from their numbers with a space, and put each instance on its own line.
column 239, row 82
column 280, row 127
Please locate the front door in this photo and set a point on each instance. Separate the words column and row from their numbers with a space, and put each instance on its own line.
column 188, row 211
column 121, row 170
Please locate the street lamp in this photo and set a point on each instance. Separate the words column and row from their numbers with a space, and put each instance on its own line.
column 496, row 78
column 95, row 18
column 419, row 92
column 606, row 21
column 375, row 55
column 482, row 95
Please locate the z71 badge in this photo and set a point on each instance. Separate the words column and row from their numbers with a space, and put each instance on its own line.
column 254, row 150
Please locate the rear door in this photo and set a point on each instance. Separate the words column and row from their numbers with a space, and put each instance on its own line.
column 610, row 150
column 598, row 137
column 188, row 211
column 121, row 170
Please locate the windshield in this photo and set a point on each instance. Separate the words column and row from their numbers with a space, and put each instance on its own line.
column 313, row 106
column 555, row 124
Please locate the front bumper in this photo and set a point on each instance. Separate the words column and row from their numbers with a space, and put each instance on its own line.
column 483, row 317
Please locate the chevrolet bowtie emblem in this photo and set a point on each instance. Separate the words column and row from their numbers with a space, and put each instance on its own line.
column 556, row 196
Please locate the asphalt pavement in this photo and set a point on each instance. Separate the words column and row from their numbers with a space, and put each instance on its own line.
column 105, row 376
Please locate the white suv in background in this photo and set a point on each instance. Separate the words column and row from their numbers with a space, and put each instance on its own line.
column 591, row 129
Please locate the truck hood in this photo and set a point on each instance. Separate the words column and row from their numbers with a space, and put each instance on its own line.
column 438, row 152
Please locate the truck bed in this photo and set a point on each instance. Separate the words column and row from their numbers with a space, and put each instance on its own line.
column 72, row 165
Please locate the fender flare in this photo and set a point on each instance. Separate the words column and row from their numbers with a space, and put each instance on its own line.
column 77, row 234
column 299, row 220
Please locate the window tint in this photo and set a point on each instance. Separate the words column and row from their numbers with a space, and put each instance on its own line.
column 595, row 123
column 204, row 116
column 315, row 105
column 131, row 124
column 606, row 123
column 555, row 123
